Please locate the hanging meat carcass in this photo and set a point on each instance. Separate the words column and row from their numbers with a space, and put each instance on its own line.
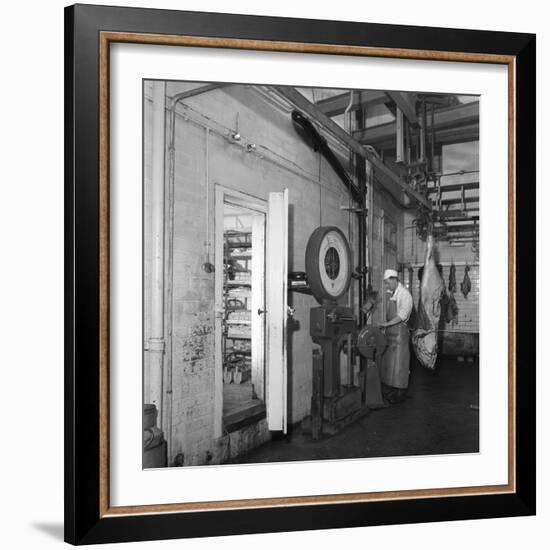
column 432, row 291
column 451, row 312
column 452, row 277
column 466, row 284
column 451, row 307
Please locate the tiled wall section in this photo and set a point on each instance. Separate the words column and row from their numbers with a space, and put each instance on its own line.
column 413, row 254
column 468, row 307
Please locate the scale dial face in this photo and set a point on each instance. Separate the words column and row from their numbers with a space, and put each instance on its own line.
column 334, row 263
column 328, row 263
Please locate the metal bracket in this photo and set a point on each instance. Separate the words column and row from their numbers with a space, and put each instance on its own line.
column 155, row 344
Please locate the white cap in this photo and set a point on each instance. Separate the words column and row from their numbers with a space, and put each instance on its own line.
column 389, row 273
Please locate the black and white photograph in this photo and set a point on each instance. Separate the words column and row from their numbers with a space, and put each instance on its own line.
column 274, row 275
column 310, row 273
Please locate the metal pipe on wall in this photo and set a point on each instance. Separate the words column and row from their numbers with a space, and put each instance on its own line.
column 423, row 133
column 170, row 193
column 351, row 293
column 370, row 224
column 362, row 241
column 207, row 243
column 432, row 139
column 155, row 343
column 361, row 173
column 349, row 128
column 167, row 419
column 382, row 233
column 354, row 162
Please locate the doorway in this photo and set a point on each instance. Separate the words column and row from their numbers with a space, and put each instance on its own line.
column 243, row 313
column 251, row 252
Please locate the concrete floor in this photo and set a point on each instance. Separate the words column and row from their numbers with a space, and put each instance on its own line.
column 237, row 397
column 437, row 417
column 240, row 407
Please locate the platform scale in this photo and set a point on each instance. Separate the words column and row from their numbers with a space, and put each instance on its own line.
column 334, row 328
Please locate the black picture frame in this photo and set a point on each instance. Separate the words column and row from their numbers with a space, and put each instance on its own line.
column 84, row 521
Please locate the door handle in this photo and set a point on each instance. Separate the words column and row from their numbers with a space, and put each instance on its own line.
column 260, row 311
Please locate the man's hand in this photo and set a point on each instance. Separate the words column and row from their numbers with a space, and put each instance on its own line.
column 382, row 325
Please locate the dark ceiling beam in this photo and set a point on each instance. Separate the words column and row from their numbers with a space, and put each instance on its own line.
column 457, row 115
column 458, row 200
column 447, row 122
column 383, row 139
column 336, row 105
column 320, row 144
column 198, row 91
column 406, row 104
column 442, row 235
column 456, row 216
column 376, row 135
column 311, row 110
column 471, row 212
column 462, row 134
column 455, row 187
column 460, row 238
column 458, row 227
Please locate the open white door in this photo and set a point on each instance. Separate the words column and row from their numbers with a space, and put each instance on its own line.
column 258, row 306
column 276, row 305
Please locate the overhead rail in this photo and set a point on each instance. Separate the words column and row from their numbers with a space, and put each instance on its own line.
column 309, row 109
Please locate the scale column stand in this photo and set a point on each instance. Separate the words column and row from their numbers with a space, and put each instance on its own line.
column 317, row 395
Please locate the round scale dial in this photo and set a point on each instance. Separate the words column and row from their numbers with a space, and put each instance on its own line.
column 328, row 263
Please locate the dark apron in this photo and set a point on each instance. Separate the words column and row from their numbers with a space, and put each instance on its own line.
column 396, row 358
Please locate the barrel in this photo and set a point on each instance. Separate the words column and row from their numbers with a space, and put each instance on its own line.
column 149, row 416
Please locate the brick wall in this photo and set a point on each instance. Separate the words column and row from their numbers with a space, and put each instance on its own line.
column 316, row 197
column 468, row 308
